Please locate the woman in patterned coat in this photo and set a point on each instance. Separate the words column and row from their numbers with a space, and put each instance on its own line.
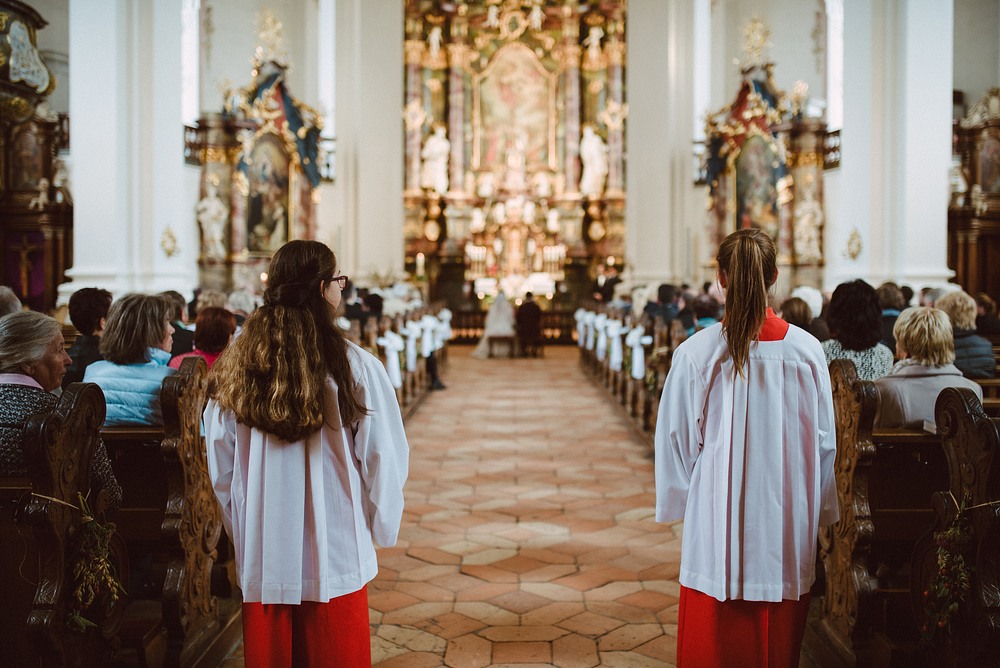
column 33, row 361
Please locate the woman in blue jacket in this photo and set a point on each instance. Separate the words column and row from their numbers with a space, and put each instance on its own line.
column 136, row 348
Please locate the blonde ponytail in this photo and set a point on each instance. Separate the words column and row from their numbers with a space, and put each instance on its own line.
column 747, row 258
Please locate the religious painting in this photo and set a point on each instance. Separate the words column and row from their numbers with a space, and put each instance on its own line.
column 758, row 169
column 989, row 165
column 27, row 160
column 514, row 110
column 267, row 199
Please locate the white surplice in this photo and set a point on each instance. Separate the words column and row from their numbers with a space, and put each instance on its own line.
column 303, row 515
column 748, row 463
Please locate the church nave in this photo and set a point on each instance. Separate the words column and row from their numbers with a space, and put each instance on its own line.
column 528, row 534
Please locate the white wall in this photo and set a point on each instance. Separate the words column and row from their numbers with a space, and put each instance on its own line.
column 791, row 50
column 234, row 38
column 977, row 47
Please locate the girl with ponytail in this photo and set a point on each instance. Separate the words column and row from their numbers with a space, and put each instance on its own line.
column 307, row 457
column 745, row 447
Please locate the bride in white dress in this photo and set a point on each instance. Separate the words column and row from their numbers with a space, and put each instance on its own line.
column 499, row 322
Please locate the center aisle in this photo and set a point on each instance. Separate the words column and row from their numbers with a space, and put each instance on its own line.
column 528, row 536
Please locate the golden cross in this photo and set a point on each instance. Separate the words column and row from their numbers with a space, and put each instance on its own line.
column 24, row 250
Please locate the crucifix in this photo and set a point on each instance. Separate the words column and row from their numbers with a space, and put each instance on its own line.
column 24, row 250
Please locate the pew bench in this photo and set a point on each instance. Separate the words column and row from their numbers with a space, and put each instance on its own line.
column 971, row 442
column 41, row 524
column 885, row 482
column 172, row 525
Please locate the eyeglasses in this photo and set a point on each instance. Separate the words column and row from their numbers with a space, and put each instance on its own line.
column 340, row 280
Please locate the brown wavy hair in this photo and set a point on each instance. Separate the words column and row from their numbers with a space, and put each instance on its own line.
column 272, row 376
column 748, row 260
column 135, row 323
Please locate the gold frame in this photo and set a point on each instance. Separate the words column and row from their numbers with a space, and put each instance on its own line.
column 552, row 79
column 268, row 111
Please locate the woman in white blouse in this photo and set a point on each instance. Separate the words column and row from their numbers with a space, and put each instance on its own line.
column 745, row 447
column 308, row 458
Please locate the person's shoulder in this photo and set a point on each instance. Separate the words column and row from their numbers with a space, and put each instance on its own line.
column 360, row 359
column 808, row 345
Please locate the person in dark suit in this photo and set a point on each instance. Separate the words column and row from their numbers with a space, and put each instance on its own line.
column 183, row 337
column 529, row 325
column 88, row 310
column 354, row 308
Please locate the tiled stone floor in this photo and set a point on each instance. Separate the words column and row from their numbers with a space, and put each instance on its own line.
column 528, row 536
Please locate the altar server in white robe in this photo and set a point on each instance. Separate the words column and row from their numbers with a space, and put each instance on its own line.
column 307, row 456
column 745, row 448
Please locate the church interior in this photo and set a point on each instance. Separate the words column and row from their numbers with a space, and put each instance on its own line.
column 461, row 157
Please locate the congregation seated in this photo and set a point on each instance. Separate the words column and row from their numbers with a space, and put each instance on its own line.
column 33, row 361
column 88, row 311
column 665, row 307
column 855, row 321
column 214, row 329
column 183, row 337
column 796, row 312
column 927, row 351
column 987, row 322
column 892, row 302
column 973, row 354
column 136, row 347
column 707, row 311
column 814, row 299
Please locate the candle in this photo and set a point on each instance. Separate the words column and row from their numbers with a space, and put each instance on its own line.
column 420, row 264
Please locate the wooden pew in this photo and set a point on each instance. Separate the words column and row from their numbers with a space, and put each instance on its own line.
column 172, row 524
column 885, row 480
column 971, row 441
column 40, row 529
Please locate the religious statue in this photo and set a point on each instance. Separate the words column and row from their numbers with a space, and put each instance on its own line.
column 593, row 43
column 434, row 172
column 493, row 16
column 60, row 182
column 212, row 214
column 41, row 200
column 485, row 187
column 536, row 17
column 514, row 176
column 434, row 42
column 594, row 157
column 542, row 183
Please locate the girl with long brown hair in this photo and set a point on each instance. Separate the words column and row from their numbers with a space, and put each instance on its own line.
column 308, row 457
column 745, row 447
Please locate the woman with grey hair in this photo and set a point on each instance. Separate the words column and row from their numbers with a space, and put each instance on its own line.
column 926, row 350
column 33, row 361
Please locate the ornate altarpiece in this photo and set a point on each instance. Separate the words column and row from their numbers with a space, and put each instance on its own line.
column 514, row 86
column 36, row 211
column 260, row 166
column 974, row 212
column 765, row 169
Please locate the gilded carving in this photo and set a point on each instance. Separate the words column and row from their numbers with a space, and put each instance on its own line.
column 4, row 18
column 413, row 51
column 614, row 51
column 214, row 154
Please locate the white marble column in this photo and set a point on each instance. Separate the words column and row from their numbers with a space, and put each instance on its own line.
column 128, row 166
column 370, row 136
column 896, row 145
column 659, row 230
